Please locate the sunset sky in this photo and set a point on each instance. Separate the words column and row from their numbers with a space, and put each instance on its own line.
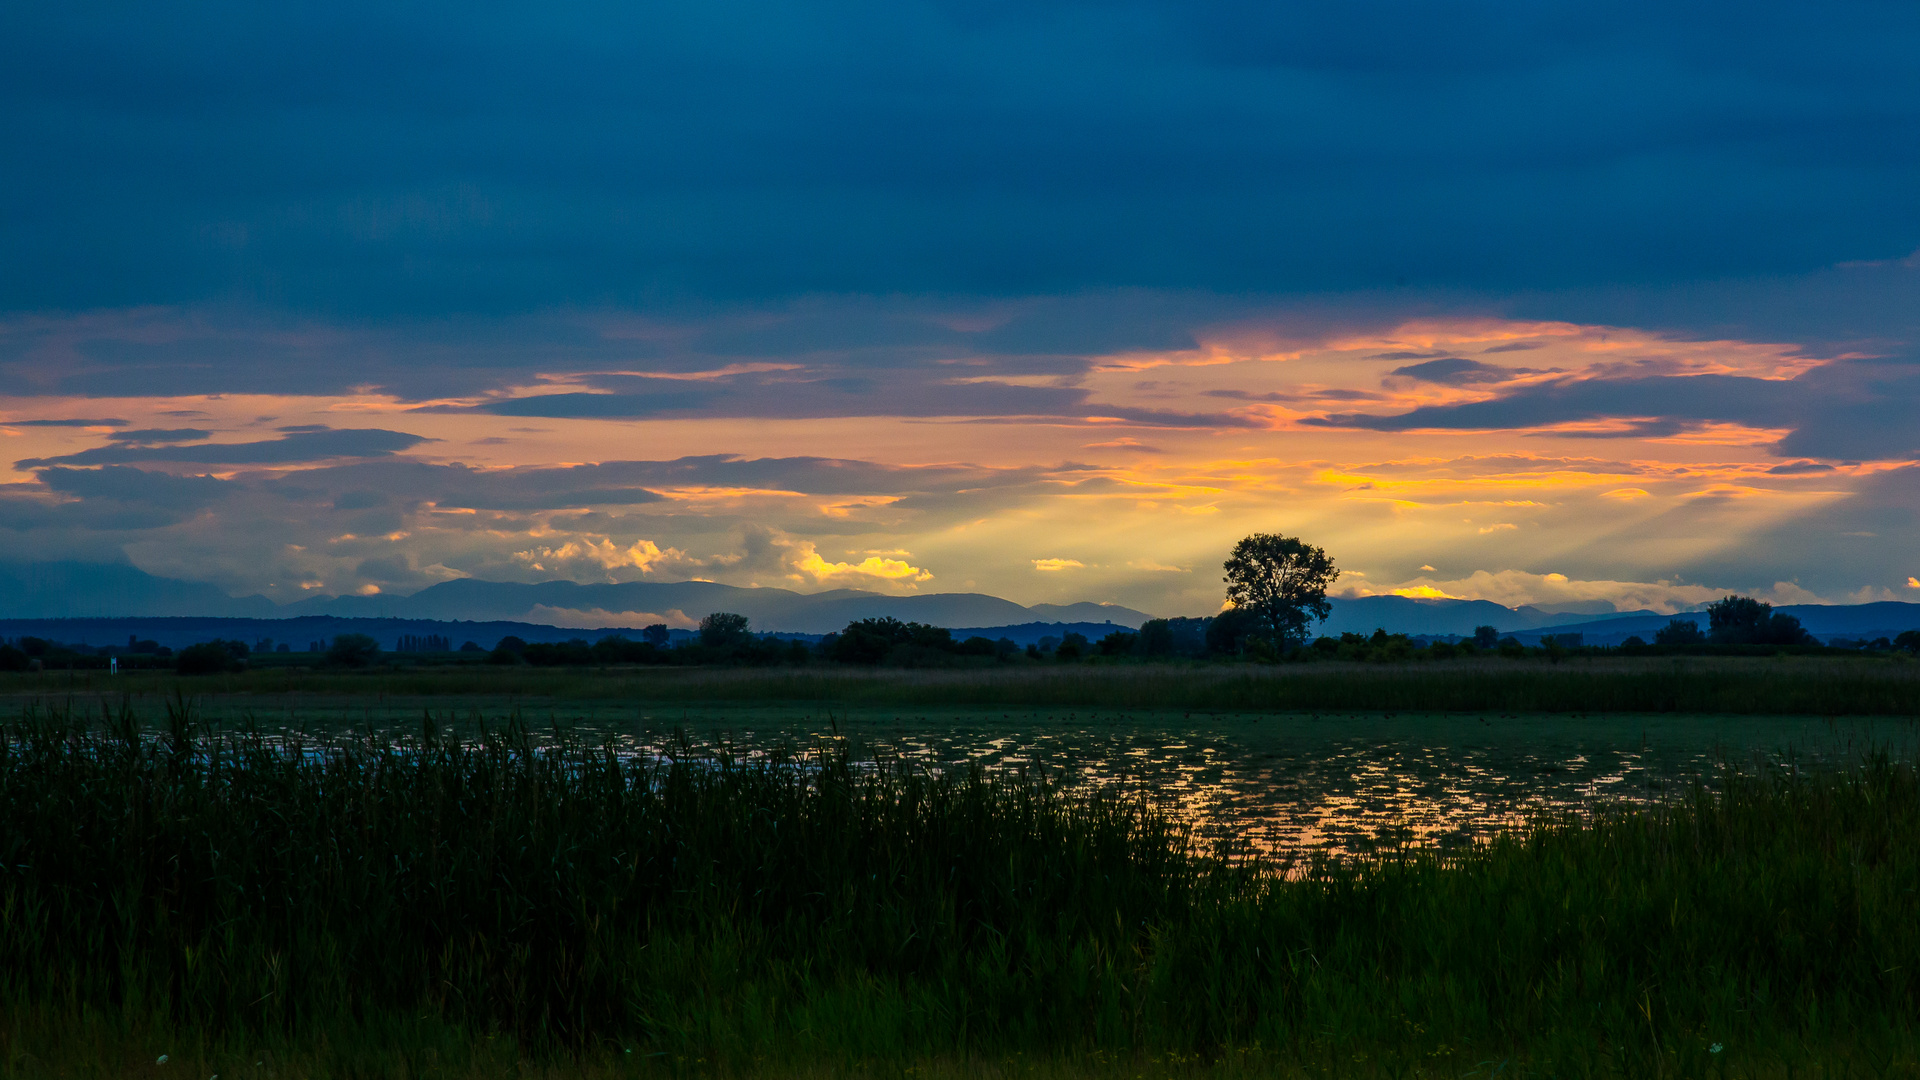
column 1531, row 303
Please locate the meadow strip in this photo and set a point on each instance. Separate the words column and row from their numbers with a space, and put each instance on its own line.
column 1736, row 685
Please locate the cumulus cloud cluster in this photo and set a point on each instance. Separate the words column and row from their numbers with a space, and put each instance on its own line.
column 766, row 556
column 372, row 524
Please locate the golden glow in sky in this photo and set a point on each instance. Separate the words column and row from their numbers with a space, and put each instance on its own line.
column 1520, row 462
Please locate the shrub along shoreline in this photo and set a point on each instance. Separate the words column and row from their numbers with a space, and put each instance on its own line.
column 363, row 902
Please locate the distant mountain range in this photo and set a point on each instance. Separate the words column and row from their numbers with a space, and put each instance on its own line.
column 306, row 633
column 1884, row 618
column 1410, row 615
column 88, row 590
column 1405, row 615
column 97, row 593
column 62, row 590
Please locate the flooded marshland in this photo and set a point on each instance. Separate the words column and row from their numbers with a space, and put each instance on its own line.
column 1284, row 785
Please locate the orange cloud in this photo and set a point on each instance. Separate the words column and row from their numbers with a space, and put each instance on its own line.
column 595, row 618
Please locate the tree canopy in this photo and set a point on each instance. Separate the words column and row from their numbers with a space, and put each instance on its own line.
column 724, row 628
column 1281, row 583
column 212, row 657
column 353, row 650
column 1742, row 620
column 1680, row 632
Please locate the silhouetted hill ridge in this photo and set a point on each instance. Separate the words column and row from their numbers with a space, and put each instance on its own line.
column 106, row 591
column 1438, row 616
column 1882, row 618
column 67, row 590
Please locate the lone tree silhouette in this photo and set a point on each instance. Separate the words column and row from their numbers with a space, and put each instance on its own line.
column 353, row 650
column 1281, row 581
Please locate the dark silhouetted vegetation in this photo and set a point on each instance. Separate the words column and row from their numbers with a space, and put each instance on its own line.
column 428, row 643
column 723, row 629
column 1742, row 620
column 212, row 657
column 508, row 650
column 1379, row 647
column 869, row 641
column 1227, row 633
column 1680, row 632
column 1280, row 583
column 889, row 641
column 353, row 651
column 1684, row 679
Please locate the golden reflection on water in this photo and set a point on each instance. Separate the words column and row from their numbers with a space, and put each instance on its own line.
column 1284, row 787
column 1289, row 788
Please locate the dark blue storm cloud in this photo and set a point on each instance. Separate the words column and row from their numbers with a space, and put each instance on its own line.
column 150, row 436
column 357, row 161
column 1459, row 371
column 1852, row 409
column 293, row 447
column 1681, row 398
column 858, row 394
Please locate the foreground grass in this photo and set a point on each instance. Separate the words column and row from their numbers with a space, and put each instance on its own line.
column 260, row 908
column 1731, row 685
column 447, row 1054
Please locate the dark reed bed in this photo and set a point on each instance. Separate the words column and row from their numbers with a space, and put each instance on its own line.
column 255, row 906
column 1808, row 686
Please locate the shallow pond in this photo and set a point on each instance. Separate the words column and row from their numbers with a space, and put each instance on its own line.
column 1285, row 784
column 1290, row 784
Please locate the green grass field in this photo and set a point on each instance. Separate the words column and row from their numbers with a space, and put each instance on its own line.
column 1821, row 686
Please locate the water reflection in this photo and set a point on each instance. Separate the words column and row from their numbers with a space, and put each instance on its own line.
column 1285, row 786
column 1288, row 787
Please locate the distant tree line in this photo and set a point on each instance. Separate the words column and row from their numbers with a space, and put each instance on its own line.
column 1736, row 620
column 727, row 638
column 29, row 653
column 1275, row 591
